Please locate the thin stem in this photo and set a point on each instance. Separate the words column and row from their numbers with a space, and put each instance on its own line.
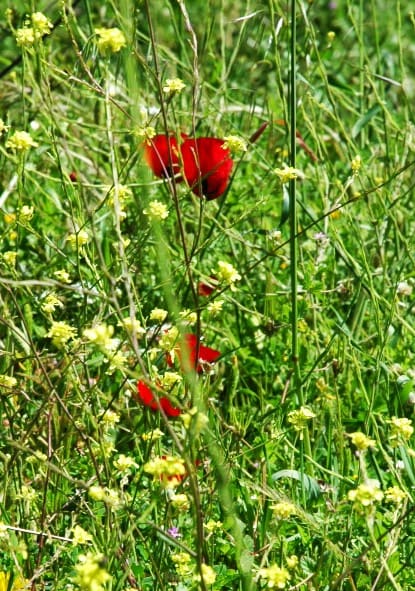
column 293, row 205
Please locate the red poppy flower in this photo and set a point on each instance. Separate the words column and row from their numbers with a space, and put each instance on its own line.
column 157, row 155
column 206, row 354
column 206, row 289
column 146, row 396
column 207, row 166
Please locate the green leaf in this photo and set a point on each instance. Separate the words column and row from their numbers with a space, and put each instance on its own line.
column 310, row 484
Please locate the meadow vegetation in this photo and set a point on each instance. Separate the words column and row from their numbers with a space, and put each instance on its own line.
column 207, row 386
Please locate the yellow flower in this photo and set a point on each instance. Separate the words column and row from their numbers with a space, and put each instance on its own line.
column 226, row 273
column 62, row 275
column 110, row 418
column 100, row 335
column 331, row 35
column 169, row 379
column 395, row 495
column 78, row 239
column 275, row 576
column 356, row 164
column 156, row 210
column 299, row 418
column 97, row 493
column 60, row 332
column 124, row 463
column 158, row 315
column 90, row 572
column 169, row 469
column 152, row 435
column 80, row 536
column 168, row 340
column 25, row 214
column 111, row 40
column 146, row 132
column 50, row 303
column 292, row 561
column 235, row 143
column 180, row 501
column 132, row 325
column 283, row 509
column 207, row 574
column 21, row 141
column 25, row 37
column 212, row 525
column 366, row 494
column 182, row 563
column 288, row 173
column 401, row 428
column 173, row 86
column 361, row 441
column 215, row 307
column 41, row 24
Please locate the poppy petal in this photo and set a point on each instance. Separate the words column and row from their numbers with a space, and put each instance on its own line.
column 206, row 354
column 145, row 395
column 207, row 166
column 157, row 153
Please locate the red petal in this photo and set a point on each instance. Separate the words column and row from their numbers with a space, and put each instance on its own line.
column 157, row 155
column 207, row 166
column 206, row 289
column 145, row 395
column 206, row 354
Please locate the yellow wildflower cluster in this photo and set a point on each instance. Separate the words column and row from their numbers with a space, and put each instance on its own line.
column 183, row 563
column 226, row 273
column 173, row 86
column 275, row 576
column 110, row 40
column 125, row 463
column 158, row 315
column 156, row 211
column 80, row 536
column 108, row 496
column 366, row 495
column 300, row 418
column 91, row 575
column 169, row 469
column 100, row 335
column 120, row 195
column 40, row 26
column 78, row 239
column 401, row 428
column 168, row 340
column 288, row 173
column 61, row 332
column 395, row 495
column 180, row 501
column 283, row 509
column 356, row 164
column 51, row 302
column 207, row 574
column 147, row 133
column 361, row 441
column 234, row 143
column 20, row 141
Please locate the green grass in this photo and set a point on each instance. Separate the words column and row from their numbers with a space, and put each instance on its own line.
column 322, row 317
